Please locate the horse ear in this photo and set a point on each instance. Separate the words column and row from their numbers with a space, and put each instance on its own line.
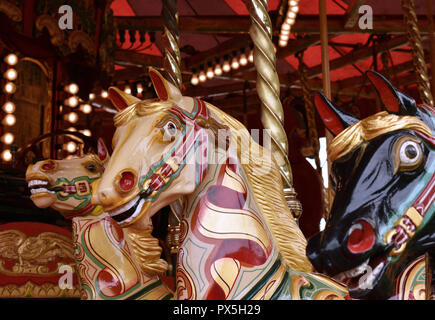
column 120, row 99
column 164, row 89
column 393, row 100
column 103, row 153
column 334, row 119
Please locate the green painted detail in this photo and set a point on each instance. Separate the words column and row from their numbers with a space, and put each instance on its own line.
column 86, row 198
column 285, row 283
column 260, row 284
column 144, row 291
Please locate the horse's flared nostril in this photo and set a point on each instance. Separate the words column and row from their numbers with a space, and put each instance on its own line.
column 105, row 198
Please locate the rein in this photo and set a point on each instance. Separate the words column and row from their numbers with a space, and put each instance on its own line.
column 163, row 172
column 407, row 225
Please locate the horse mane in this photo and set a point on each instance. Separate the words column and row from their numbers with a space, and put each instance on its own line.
column 264, row 179
column 370, row 128
column 147, row 251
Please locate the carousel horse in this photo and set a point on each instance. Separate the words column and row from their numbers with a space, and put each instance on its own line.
column 381, row 220
column 112, row 263
column 238, row 239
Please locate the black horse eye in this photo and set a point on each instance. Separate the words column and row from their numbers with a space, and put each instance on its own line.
column 91, row 167
column 411, row 151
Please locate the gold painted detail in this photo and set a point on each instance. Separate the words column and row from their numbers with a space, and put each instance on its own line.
column 32, row 253
column 32, row 290
column 225, row 272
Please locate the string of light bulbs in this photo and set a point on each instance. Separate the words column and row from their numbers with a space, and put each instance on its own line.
column 220, row 66
column 9, row 118
column 289, row 21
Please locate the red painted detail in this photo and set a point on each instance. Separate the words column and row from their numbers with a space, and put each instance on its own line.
column 117, row 100
column 83, row 187
column 69, row 189
column 332, row 122
column 400, row 237
column 156, row 182
column 112, row 286
column 159, row 85
column 116, row 230
column 48, row 165
column 127, row 181
column 166, row 171
column 102, row 150
column 385, row 91
column 361, row 240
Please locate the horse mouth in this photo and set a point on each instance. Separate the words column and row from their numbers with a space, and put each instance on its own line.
column 364, row 277
column 39, row 188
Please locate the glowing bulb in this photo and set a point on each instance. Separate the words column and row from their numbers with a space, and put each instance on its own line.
column 72, row 88
column 72, row 117
column 10, row 87
column 294, row 9
column 9, row 120
column 86, row 132
column 91, row 96
column 291, row 15
column 11, row 74
column 226, row 67
column 7, row 155
column 194, row 79
column 86, row 108
column 284, row 37
column 235, row 63
column 243, row 60
column 285, row 26
column 71, row 146
column 282, row 43
column 292, row 3
column 251, row 56
column 9, row 107
column 202, row 76
column 210, row 73
column 11, row 59
column 104, row 94
column 218, row 69
column 139, row 88
column 290, row 21
column 71, row 129
column 127, row 90
column 73, row 101
column 7, row 138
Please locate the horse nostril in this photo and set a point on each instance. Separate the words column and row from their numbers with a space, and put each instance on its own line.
column 48, row 165
column 361, row 237
column 126, row 181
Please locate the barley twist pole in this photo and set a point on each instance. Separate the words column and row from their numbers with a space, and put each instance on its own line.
column 268, row 88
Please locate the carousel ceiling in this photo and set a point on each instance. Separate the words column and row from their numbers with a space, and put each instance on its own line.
column 218, row 29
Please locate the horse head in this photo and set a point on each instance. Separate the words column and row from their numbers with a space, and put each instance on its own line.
column 65, row 185
column 382, row 174
column 173, row 134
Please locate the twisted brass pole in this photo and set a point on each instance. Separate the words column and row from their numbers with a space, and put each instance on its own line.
column 415, row 42
column 170, row 37
column 272, row 113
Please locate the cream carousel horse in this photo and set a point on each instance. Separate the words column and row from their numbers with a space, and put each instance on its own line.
column 112, row 263
column 238, row 239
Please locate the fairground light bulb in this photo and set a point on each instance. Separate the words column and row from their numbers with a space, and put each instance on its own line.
column 7, row 155
column 73, row 101
column 9, row 107
column 10, row 87
column 9, row 120
column 7, row 138
column 72, row 117
column 86, row 132
column 194, row 80
column 91, row 96
column 210, row 73
column 235, row 63
column 202, row 76
column 226, row 67
column 139, row 88
column 127, row 90
column 218, row 69
column 71, row 146
column 11, row 59
column 86, row 108
column 11, row 74
column 104, row 94
column 72, row 88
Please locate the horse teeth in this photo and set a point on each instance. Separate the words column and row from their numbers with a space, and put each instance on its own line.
column 37, row 182
column 40, row 190
column 124, row 207
column 352, row 273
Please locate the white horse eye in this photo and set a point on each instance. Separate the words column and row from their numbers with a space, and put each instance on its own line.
column 410, row 152
column 170, row 130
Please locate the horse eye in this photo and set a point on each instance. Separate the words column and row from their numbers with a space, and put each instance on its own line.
column 410, row 155
column 91, row 168
column 170, row 130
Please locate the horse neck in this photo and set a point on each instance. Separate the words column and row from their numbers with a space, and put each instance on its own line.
column 106, row 265
column 223, row 234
